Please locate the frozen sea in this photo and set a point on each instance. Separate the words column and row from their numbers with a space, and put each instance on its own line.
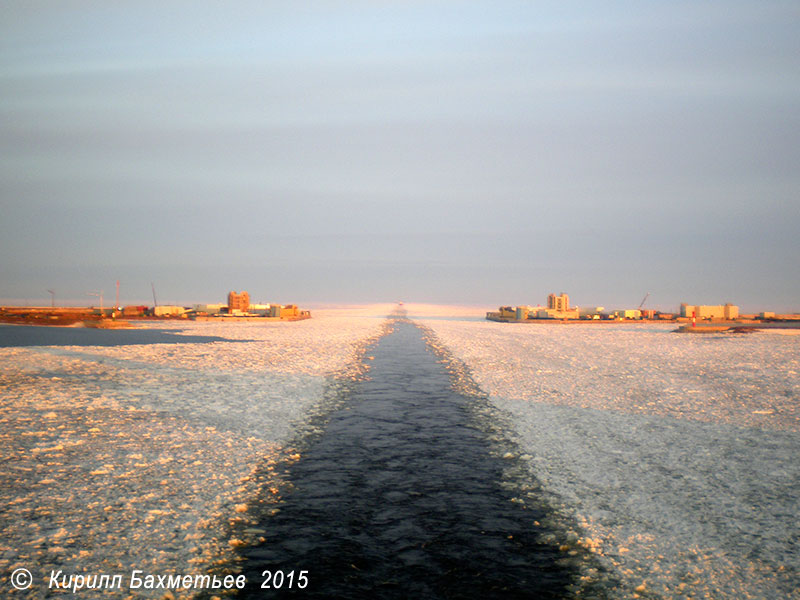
column 676, row 457
column 138, row 456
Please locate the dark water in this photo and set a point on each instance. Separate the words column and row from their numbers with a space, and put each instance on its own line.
column 31, row 335
column 401, row 498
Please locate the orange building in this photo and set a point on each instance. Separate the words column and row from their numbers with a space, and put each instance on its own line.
column 238, row 302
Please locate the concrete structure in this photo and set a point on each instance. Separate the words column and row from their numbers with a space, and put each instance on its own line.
column 134, row 311
column 558, row 308
column 558, row 303
column 594, row 312
column 262, row 310
column 209, row 309
column 727, row 312
column 627, row 313
column 238, row 302
column 168, row 311
column 288, row 311
column 504, row 313
column 508, row 312
column 239, row 309
column 550, row 313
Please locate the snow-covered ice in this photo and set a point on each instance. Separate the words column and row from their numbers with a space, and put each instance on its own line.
column 676, row 454
column 134, row 457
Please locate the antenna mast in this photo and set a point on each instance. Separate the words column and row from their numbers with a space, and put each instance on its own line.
column 99, row 295
column 155, row 302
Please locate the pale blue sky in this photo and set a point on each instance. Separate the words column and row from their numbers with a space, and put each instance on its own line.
column 471, row 152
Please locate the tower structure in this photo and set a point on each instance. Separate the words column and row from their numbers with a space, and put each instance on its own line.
column 559, row 303
column 238, row 302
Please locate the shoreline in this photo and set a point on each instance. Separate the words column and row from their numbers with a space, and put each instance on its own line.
column 683, row 323
column 74, row 317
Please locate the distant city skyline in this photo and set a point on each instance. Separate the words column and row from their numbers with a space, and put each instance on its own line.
column 464, row 153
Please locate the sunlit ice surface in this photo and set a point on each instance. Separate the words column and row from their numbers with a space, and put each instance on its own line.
column 676, row 454
column 444, row 311
column 135, row 457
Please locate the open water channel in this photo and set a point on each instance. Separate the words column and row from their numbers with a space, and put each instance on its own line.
column 406, row 495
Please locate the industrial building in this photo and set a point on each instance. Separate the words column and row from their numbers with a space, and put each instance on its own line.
column 725, row 312
column 593, row 312
column 289, row 311
column 209, row 309
column 139, row 310
column 558, row 308
column 239, row 308
column 626, row 313
column 165, row 310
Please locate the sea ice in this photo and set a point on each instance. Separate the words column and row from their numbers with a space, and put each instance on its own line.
column 135, row 457
column 676, row 454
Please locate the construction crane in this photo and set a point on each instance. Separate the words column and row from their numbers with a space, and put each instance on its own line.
column 646, row 296
column 52, row 298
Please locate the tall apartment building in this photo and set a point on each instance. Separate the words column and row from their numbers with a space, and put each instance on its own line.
column 559, row 303
column 238, row 302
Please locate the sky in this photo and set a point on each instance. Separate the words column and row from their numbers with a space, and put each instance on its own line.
column 478, row 153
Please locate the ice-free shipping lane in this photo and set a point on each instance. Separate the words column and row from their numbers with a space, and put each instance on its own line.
column 401, row 497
